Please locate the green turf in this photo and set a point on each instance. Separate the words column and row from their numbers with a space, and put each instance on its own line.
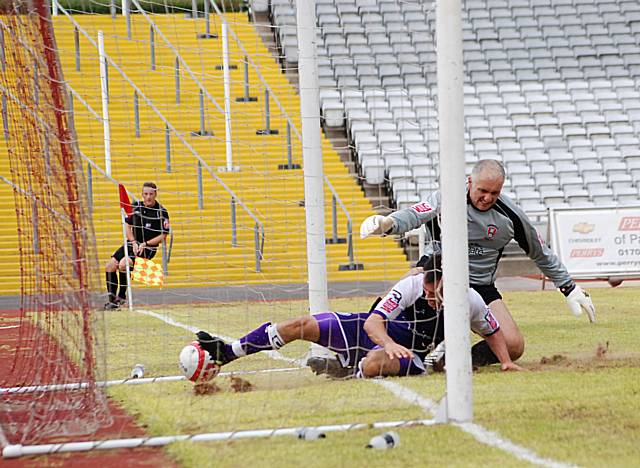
column 578, row 403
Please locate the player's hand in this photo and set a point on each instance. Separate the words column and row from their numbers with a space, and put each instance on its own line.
column 511, row 366
column 435, row 359
column 579, row 301
column 375, row 225
column 395, row 350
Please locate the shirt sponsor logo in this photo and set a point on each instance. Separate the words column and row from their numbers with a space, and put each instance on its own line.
column 492, row 230
column 476, row 250
column 629, row 223
column 490, row 319
column 392, row 302
column 422, row 207
column 583, row 228
column 587, row 253
column 166, row 224
column 147, row 225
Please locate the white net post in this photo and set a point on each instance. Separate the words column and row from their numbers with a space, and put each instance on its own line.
column 454, row 211
column 312, row 157
column 104, row 87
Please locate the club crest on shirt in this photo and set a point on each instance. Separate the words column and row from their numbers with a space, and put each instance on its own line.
column 422, row 207
column 392, row 302
column 492, row 230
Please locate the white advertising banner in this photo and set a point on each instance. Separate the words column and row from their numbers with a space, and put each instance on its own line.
column 597, row 242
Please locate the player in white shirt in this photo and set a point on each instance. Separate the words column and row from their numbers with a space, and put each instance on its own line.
column 393, row 338
column 412, row 313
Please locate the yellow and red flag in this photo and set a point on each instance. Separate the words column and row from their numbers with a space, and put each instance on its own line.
column 147, row 272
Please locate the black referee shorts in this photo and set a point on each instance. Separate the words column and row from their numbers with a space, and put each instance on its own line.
column 146, row 253
column 489, row 292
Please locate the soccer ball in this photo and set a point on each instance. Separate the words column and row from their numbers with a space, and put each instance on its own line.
column 196, row 363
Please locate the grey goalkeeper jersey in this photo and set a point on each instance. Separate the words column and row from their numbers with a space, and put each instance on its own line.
column 489, row 232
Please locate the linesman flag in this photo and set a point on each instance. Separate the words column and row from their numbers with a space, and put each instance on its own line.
column 125, row 203
column 147, row 272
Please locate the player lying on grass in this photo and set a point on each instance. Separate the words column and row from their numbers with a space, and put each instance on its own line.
column 394, row 338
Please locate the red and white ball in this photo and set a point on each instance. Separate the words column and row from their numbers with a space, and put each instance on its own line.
column 197, row 364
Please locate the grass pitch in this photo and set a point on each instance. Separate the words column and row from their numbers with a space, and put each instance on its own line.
column 579, row 403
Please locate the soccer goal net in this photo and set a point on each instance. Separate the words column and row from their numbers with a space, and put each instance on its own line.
column 204, row 103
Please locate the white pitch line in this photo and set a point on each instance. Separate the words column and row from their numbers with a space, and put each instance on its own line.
column 494, row 439
column 272, row 354
column 478, row 432
column 481, row 434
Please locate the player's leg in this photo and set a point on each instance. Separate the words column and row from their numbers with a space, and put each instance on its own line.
column 341, row 334
column 266, row 337
column 377, row 363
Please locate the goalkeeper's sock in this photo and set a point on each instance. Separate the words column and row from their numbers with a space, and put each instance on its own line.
column 123, row 284
column 112, row 285
column 263, row 338
column 481, row 355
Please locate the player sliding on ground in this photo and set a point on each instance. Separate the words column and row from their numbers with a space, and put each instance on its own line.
column 394, row 338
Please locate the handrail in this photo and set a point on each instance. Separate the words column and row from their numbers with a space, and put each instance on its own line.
column 255, row 67
column 82, row 155
column 184, row 64
column 349, row 223
column 283, row 110
column 85, row 103
column 168, row 124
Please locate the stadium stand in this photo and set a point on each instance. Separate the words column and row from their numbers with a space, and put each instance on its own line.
column 202, row 254
column 550, row 88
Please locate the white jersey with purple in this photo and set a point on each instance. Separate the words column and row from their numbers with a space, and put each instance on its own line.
column 411, row 322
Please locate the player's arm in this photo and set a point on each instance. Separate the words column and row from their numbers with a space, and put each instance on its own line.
column 530, row 241
column 375, row 327
column 499, row 347
column 401, row 221
column 486, row 325
column 403, row 294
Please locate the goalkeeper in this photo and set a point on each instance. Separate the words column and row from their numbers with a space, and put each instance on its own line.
column 392, row 339
column 493, row 221
column 146, row 228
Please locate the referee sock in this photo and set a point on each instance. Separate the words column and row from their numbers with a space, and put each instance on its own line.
column 481, row 355
column 123, row 284
column 112, row 285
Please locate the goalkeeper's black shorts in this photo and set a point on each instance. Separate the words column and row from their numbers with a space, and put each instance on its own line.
column 489, row 292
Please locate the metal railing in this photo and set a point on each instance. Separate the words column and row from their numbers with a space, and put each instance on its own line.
column 258, row 226
column 335, row 201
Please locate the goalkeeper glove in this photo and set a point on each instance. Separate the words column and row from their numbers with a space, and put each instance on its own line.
column 375, row 225
column 434, row 361
column 579, row 300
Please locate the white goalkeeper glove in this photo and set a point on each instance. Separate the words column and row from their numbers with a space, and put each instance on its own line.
column 579, row 301
column 435, row 359
column 375, row 225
